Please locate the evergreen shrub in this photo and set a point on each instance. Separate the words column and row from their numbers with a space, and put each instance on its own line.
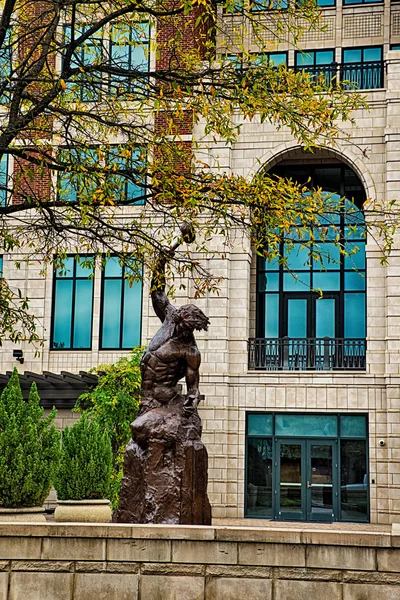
column 86, row 462
column 114, row 403
column 29, row 447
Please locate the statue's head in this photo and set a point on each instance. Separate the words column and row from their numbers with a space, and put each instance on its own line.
column 190, row 317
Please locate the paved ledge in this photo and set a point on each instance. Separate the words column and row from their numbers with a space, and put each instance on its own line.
column 321, row 534
column 161, row 562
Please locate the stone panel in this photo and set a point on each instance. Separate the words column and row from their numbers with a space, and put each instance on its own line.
column 40, row 586
column 284, row 555
column 204, row 552
column 389, row 560
column 228, row 588
column 73, row 549
column 139, row 550
column 307, row 590
column 153, row 587
column 107, row 587
column 14, row 547
column 3, row 585
column 360, row 559
column 371, row 592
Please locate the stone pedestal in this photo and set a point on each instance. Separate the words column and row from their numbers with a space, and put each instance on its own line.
column 165, row 470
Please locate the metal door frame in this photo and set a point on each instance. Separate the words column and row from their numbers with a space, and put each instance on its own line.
column 305, row 444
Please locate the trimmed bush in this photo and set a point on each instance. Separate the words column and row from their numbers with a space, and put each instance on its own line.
column 29, row 447
column 86, row 462
column 114, row 403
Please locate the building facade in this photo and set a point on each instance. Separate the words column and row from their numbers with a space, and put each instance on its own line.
column 301, row 415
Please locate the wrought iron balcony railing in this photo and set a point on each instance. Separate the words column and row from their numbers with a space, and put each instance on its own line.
column 363, row 76
column 306, row 354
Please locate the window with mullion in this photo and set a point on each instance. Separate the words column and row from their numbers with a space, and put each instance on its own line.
column 317, row 63
column 3, row 180
column 363, row 67
column 261, row 5
column 72, row 307
column 85, row 86
column 86, row 170
column 121, row 310
column 129, row 50
column 6, row 67
column 129, row 188
column 346, row 2
column 81, row 176
column 341, row 279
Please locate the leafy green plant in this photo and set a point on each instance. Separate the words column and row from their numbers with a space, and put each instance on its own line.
column 114, row 404
column 86, row 462
column 29, row 447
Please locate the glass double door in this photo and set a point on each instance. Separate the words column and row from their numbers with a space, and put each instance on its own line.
column 309, row 316
column 307, row 480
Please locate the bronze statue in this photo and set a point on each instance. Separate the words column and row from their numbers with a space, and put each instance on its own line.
column 165, row 462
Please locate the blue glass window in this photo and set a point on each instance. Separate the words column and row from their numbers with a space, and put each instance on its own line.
column 80, row 178
column 129, row 50
column 3, row 179
column 292, row 317
column 353, row 426
column 306, row 425
column 85, row 87
column 72, row 307
column 6, row 57
column 259, row 424
column 123, row 47
column 121, row 308
column 260, row 5
column 362, row 2
column 363, row 67
column 85, row 170
column 131, row 188
column 317, row 63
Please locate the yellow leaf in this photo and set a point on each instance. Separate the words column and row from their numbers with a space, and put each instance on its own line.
column 63, row 84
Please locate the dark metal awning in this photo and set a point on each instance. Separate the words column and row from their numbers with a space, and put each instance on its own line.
column 55, row 389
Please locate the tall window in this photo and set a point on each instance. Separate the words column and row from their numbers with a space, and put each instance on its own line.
column 363, row 67
column 129, row 49
column 121, row 309
column 84, row 174
column 289, row 302
column 3, row 179
column 72, row 307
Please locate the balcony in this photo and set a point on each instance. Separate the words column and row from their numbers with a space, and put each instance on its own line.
column 306, row 354
column 363, row 76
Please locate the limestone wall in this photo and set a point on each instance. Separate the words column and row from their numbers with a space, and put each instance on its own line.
column 125, row 562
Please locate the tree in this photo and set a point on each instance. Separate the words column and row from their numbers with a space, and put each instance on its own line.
column 86, row 462
column 29, row 447
column 89, row 113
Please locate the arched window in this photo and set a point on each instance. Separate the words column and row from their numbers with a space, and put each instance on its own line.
column 297, row 327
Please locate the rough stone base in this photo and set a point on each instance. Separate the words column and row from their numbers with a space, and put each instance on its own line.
column 165, row 483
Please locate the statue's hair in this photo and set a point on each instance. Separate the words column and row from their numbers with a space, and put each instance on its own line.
column 192, row 316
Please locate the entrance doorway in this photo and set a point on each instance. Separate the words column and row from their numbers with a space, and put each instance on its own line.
column 308, row 480
column 307, row 467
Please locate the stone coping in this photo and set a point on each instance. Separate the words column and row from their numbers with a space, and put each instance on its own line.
column 307, row 536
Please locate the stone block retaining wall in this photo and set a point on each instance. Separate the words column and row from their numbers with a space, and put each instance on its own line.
column 125, row 562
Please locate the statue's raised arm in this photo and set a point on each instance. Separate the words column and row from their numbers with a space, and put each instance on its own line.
column 158, row 296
